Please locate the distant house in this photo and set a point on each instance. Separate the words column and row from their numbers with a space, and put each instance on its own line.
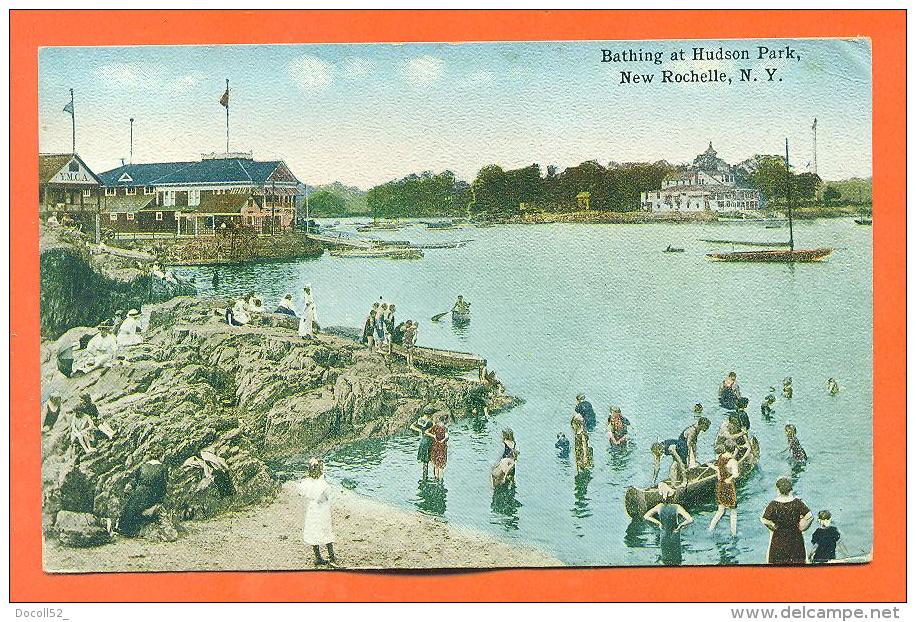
column 217, row 192
column 708, row 184
column 67, row 185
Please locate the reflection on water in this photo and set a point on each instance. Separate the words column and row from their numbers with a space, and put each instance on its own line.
column 461, row 328
column 581, row 507
column 728, row 550
column 431, row 496
column 638, row 534
column 505, row 506
column 618, row 456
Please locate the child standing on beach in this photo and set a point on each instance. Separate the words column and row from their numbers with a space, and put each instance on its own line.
column 825, row 539
column 316, row 527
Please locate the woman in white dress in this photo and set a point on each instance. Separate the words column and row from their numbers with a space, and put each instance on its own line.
column 309, row 316
column 129, row 331
column 316, row 527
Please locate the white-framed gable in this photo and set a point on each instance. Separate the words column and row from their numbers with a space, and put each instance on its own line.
column 74, row 172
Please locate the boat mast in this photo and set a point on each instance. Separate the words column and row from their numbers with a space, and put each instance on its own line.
column 789, row 198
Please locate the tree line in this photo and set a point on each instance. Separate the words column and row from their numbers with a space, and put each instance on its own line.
column 499, row 193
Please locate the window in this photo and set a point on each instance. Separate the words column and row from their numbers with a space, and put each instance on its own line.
column 113, row 217
column 130, row 216
column 149, row 190
column 87, row 193
column 168, row 198
column 159, row 216
column 193, row 197
column 110, row 192
column 131, row 191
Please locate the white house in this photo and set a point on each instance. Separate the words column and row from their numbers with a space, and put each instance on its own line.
column 709, row 184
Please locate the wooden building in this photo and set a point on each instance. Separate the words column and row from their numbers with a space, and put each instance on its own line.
column 67, row 186
column 217, row 192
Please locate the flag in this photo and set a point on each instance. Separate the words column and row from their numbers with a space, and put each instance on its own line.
column 224, row 100
column 814, row 125
column 69, row 108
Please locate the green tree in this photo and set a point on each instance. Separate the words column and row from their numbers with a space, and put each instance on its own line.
column 831, row 194
column 324, row 203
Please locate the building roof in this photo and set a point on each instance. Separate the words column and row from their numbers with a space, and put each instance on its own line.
column 49, row 164
column 221, row 203
column 216, row 171
column 128, row 204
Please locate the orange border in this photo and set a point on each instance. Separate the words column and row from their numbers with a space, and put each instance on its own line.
column 882, row 580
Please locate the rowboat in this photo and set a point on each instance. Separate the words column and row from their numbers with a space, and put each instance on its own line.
column 672, row 249
column 461, row 317
column 443, row 361
column 700, row 486
column 385, row 253
column 745, row 243
column 801, row 255
column 862, row 221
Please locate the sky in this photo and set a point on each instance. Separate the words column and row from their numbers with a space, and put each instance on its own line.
column 365, row 114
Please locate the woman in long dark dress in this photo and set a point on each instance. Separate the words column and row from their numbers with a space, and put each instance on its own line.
column 786, row 517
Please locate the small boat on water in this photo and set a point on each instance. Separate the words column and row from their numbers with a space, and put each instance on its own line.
column 379, row 252
column 442, row 225
column 461, row 317
column 792, row 255
column 442, row 361
column 437, row 245
column 700, row 486
column 745, row 243
column 672, row 249
column 379, row 225
column 864, row 220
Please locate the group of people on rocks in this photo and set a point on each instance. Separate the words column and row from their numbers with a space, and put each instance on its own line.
column 105, row 347
column 381, row 331
column 250, row 309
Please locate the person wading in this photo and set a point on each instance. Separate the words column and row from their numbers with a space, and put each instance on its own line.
column 727, row 474
column 670, row 518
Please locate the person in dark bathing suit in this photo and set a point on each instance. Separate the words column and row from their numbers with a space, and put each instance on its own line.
column 825, row 539
column 666, row 517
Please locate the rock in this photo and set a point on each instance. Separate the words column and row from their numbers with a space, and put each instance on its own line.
column 80, row 529
column 253, row 395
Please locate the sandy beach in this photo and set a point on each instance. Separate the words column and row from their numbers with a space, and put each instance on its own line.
column 370, row 535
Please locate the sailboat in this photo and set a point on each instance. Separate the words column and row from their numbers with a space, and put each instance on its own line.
column 778, row 255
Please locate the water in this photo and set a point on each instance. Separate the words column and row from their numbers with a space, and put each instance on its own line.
column 599, row 309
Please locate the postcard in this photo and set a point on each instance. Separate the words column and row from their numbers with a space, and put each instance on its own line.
column 436, row 305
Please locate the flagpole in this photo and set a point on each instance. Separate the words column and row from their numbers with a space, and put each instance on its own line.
column 73, row 120
column 227, row 116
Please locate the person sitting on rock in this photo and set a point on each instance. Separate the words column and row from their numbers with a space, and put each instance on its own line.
column 239, row 315
column 101, row 351
column 129, row 332
column 83, row 427
column 50, row 412
column 254, row 304
column 144, row 497
column 286, row 306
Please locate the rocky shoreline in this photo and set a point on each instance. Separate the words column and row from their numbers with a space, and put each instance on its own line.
column 250, row 395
